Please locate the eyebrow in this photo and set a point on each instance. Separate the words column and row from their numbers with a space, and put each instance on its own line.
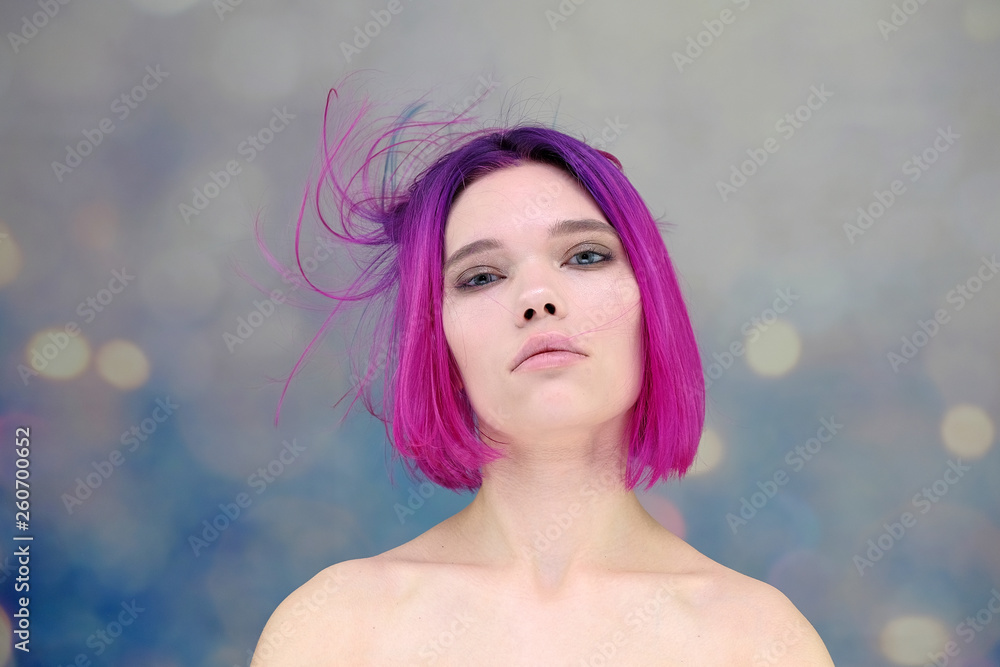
column 561, row 228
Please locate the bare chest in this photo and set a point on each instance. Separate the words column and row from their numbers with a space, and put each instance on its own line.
column 634, row 624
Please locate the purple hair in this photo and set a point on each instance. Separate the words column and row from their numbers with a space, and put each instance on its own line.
column 404, row 188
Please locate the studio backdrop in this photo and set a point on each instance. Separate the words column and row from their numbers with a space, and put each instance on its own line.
column 828, row 179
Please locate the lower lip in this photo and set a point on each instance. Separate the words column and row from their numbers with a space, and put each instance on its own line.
column 549, row 360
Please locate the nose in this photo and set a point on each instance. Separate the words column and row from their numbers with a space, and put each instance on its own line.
column 549, row 308
column 539, row 292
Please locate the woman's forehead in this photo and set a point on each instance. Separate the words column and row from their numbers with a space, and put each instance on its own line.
column 526, row 178
column 519, row 198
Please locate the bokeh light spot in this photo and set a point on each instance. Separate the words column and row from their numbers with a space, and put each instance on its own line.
column 122, row 364
column 665, row 512
column 775, row 351
column 906, row 640
column 967, row 431
column 10, row 256
column 711, row 451
column 55, row 354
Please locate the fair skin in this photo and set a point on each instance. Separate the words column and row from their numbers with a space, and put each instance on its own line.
column 554, row 562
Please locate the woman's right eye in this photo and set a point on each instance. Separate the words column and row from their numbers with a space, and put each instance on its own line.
column 465, row 285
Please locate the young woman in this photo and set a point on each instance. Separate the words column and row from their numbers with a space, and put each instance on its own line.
column 538, row 350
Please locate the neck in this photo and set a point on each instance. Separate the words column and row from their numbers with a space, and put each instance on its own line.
column 549, row 516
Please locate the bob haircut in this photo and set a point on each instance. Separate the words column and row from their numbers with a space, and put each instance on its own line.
column 433, row 428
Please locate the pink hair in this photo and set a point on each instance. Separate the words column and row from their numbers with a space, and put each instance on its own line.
column 400, row 175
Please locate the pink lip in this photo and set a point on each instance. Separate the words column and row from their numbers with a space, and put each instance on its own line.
column 551, row 359
column 552, row 349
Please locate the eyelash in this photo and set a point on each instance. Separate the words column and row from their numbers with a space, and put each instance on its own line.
column 607, row 254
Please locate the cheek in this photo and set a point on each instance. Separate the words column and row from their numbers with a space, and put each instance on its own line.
column 454, row 333
column 637, row 337
column 629, row 325
column 622, row 303
column 465, row 333
column 454, row 337
column 472, row 328
column 636, row 323
column 630, row 370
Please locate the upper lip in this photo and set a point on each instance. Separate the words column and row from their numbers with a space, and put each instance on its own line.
column 545, row 342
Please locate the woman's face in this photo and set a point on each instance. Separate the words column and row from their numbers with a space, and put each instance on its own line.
column 583, row 273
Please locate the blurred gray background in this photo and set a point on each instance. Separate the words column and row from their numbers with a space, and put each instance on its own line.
column 833, row 176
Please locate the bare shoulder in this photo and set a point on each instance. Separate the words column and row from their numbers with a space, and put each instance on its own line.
column 774, row 631
column 337, row 616
column 762, row 625
column 318, row 623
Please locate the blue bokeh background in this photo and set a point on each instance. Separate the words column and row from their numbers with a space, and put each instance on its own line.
column 679, row 92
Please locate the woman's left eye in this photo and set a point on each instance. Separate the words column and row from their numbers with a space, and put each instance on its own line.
column 605, row 255
column 589, row 253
